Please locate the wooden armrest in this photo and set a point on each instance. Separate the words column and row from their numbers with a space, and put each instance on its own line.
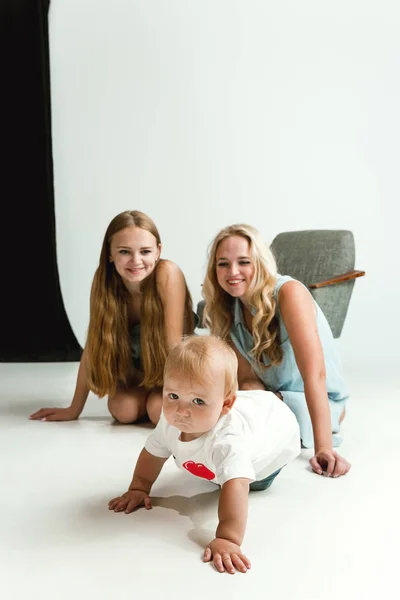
column 338, row 279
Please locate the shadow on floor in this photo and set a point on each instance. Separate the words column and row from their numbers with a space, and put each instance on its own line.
column 200, row 509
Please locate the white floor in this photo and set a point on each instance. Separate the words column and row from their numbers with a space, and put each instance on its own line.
column 307, row 537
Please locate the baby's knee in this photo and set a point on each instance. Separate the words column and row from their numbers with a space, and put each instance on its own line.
column 264, row 484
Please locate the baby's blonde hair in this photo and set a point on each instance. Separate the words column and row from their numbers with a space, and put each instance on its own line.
column 194, row 356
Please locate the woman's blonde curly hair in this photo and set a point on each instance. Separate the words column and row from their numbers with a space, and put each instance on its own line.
column 260, row 296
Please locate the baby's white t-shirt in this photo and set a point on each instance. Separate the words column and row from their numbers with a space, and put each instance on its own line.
column 257, row 437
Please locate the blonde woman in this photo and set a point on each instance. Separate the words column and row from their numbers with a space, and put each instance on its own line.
column 140, row 307
column 282, row 340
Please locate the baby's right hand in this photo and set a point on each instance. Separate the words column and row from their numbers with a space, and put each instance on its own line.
column 129, row 501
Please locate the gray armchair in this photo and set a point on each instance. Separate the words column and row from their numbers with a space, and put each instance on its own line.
column 323, row 260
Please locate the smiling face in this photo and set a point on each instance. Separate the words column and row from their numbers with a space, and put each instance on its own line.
column 234, row 266
column 194, row 407
column 134, row 252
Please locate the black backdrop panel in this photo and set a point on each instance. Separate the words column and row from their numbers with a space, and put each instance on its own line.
column 34, row 324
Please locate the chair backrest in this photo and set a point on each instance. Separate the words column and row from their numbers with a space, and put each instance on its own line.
column 312, row 256
column 315, row 255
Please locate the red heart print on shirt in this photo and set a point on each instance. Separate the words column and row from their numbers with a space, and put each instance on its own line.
column 198, row 469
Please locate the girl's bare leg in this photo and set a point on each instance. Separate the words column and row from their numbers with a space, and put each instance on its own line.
column 128, row 403
column 154, row 405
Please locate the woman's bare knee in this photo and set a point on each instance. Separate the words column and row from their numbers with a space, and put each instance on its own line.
column 154, row 406
column 251, row 384
column 127, row 406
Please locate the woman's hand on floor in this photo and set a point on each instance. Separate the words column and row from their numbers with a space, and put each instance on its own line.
column 329, row 463
column 54, row 414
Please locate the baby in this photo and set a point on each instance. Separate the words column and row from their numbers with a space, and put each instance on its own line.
column 238, row 440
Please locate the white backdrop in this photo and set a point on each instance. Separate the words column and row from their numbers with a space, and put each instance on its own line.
column 204, row 113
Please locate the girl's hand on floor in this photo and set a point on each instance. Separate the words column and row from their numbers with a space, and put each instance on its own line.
column 226, row 556
column 129, row 501
column 329, row 463
column 54, row 414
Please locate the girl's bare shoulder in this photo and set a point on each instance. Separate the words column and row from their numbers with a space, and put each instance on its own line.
column 168, row 272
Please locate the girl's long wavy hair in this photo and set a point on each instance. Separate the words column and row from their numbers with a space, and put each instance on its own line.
column 108, row 346
column 218, row 309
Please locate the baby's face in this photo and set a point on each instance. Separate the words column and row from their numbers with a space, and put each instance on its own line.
column 194, row 407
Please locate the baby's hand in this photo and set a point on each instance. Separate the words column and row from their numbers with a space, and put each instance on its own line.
column 226, row 556
column 129, row 501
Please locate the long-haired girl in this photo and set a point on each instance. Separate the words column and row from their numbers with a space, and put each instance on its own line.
column 140, row 307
